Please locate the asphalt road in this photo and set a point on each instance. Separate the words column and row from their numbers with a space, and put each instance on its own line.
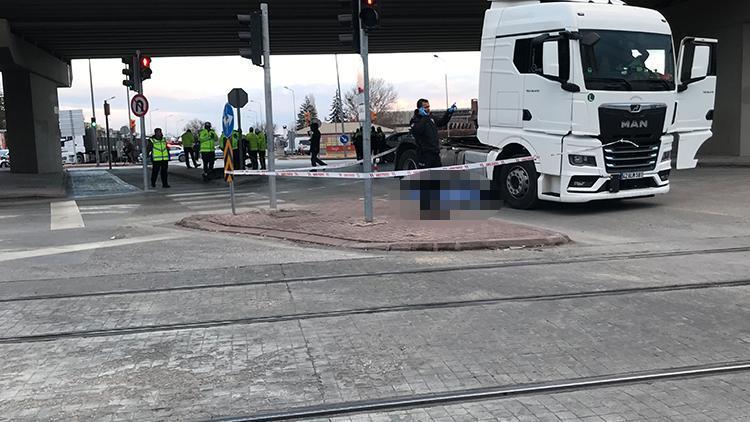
column 109, row 311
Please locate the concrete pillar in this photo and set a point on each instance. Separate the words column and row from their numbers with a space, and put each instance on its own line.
column 33, row 128
column 744, row 145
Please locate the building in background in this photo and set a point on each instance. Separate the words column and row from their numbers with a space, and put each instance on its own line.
column 330, row 134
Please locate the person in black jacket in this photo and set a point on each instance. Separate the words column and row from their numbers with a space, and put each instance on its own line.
column 315, row 145
column 425, row 131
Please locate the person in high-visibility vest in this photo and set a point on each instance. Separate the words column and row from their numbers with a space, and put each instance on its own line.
column 262, row 146
column 236, row 136
column 188, row 139
column 253, row 144
column 209, row 140
column 159, row 151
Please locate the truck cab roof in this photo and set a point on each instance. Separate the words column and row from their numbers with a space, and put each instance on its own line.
column 522, row 16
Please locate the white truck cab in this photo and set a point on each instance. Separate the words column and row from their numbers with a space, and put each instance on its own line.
column 593, row 91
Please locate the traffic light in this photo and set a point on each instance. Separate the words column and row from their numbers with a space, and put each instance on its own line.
column 144, row 63
column 130, row 81
column 350, row 20
column 369, row 15
column 253, row 22
column 132, row 126
column 93, row 122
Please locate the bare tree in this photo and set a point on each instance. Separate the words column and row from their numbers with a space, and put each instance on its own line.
column 195, row 125
column 382, row 98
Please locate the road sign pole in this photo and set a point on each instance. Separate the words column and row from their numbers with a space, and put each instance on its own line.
column 139, row 84
column 240, row 144
column 269, row 105
column 366, row 129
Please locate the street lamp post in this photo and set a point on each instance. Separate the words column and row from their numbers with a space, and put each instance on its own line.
column 294, row 119
column 151, row 118
column 446, row 88
column 259, row 108
column 106, row 127
column 166, row 124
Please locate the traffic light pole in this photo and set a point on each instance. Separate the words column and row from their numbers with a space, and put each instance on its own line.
column 144, row 157
column 269, row 106
column 366, row 141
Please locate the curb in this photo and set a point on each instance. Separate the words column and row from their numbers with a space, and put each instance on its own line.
column 204, row 223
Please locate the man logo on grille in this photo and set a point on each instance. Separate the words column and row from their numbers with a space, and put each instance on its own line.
column 635, row 108
column 634, row 124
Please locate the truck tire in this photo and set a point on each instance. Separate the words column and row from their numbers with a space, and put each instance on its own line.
column 407, row 160
column 518, row 185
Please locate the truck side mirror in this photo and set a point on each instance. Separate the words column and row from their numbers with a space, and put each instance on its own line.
column 590, row 39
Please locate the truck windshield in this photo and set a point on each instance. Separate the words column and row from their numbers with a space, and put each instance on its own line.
column 627, row 61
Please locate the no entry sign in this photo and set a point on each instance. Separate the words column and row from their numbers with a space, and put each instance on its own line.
column 139, row 105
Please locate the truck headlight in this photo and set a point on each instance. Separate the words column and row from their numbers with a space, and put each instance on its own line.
column 582, row 160
column 666, row 156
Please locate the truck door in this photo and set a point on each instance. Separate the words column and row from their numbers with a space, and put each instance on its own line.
column 546, row 106
column 695, row 98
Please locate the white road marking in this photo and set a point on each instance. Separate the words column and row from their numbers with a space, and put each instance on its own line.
column 107, row 207
column 9, row 216
column 65, row 215
column 56, row 250
column 228, row 205
column 105, row 212
column 205, row 193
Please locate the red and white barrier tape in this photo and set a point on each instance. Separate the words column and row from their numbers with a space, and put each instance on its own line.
column 376, row 175
column 342, row 165
column 621, row 141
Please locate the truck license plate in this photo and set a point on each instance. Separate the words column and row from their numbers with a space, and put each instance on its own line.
column 632, row 175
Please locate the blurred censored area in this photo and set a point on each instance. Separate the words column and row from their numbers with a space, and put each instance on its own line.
column 447, row 195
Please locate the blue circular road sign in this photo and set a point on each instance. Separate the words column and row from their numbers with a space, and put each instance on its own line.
column 344, row 139
column 227, row 120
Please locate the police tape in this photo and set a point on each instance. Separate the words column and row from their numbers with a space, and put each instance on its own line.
column 621, row 141
column 342, row 165
column 378, row 175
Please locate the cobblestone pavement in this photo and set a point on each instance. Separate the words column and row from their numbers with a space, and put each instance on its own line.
column 239, row 369
column 719, row 399
column 242, row 367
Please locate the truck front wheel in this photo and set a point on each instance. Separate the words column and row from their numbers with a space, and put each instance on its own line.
column 407, row 160
column 518, row 185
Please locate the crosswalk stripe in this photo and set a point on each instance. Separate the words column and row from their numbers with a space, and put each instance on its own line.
column 204, row 193
column 225, row 205
column 108, row 207
column 104, row 212
column 216, row 199
column 65, row 215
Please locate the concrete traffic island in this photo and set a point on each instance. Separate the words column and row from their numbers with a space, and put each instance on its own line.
column 340, row 224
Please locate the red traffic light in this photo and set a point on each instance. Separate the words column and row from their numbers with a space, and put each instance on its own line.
column 145, row 61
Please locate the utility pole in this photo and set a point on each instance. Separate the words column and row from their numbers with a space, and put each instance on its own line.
column 93, row 116
column 106, row 126
column 269, row 106
column 130, row 116
column 139, row 85
column 366, row 141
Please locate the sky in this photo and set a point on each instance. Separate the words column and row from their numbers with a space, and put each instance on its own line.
column 182, row 89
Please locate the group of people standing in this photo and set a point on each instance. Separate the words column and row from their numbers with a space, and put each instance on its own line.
column 377, row 142
column 208, row 140
column 204, row 145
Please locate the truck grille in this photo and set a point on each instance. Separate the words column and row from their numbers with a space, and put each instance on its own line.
column 625, row 156
column 641, row 124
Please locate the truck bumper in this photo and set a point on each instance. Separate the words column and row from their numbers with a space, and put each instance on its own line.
column 592, row 183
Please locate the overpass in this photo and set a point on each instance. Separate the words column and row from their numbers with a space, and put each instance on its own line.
column 38, row 38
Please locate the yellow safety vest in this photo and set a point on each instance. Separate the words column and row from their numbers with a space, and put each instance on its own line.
column 208, row 140
column 159, row 151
